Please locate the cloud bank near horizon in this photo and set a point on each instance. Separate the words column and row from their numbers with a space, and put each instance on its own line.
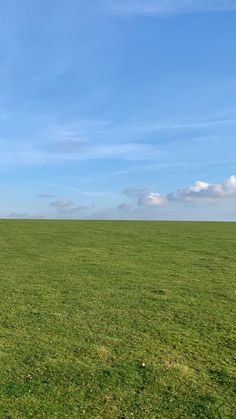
column 201, row 191
column 188, row 203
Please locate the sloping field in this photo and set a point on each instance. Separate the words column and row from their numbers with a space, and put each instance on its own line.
column 117, row 319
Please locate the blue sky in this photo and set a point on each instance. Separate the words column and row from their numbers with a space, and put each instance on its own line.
column 118, row 109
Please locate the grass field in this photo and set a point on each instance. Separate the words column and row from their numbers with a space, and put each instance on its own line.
column 84, row 305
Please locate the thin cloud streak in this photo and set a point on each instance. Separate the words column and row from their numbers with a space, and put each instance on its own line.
column 74, row 189
column 170, row 7
column 133, row 140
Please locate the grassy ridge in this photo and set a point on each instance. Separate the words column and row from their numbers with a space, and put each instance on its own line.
column 84, row 304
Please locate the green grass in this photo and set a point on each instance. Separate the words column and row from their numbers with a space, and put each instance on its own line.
column 84, row 304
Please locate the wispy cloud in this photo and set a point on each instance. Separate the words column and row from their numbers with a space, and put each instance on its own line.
column 124, row 207
column 79, row 191
column 170, row 7
column 67, row 207
column 47, row 196
column 27, row 155
column 134, row 192
column 17, row 215
column 66, row 147
column 138, row 139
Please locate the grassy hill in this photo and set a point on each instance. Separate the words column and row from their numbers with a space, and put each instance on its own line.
column 117, row 319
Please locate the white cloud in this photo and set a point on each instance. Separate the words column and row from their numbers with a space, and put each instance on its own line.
column 203, row 190
column 230, row 185
column 199, row 186
column 152, row 199
column 200, row 191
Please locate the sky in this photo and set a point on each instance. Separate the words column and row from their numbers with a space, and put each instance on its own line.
column 118, row 109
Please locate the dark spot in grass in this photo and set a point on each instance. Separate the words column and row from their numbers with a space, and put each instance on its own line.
column 205, row 407
column 17, row 389
column 228, row 342
column 224, row 296
column 159, row 292
column 126, row 374
column 221, row 377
